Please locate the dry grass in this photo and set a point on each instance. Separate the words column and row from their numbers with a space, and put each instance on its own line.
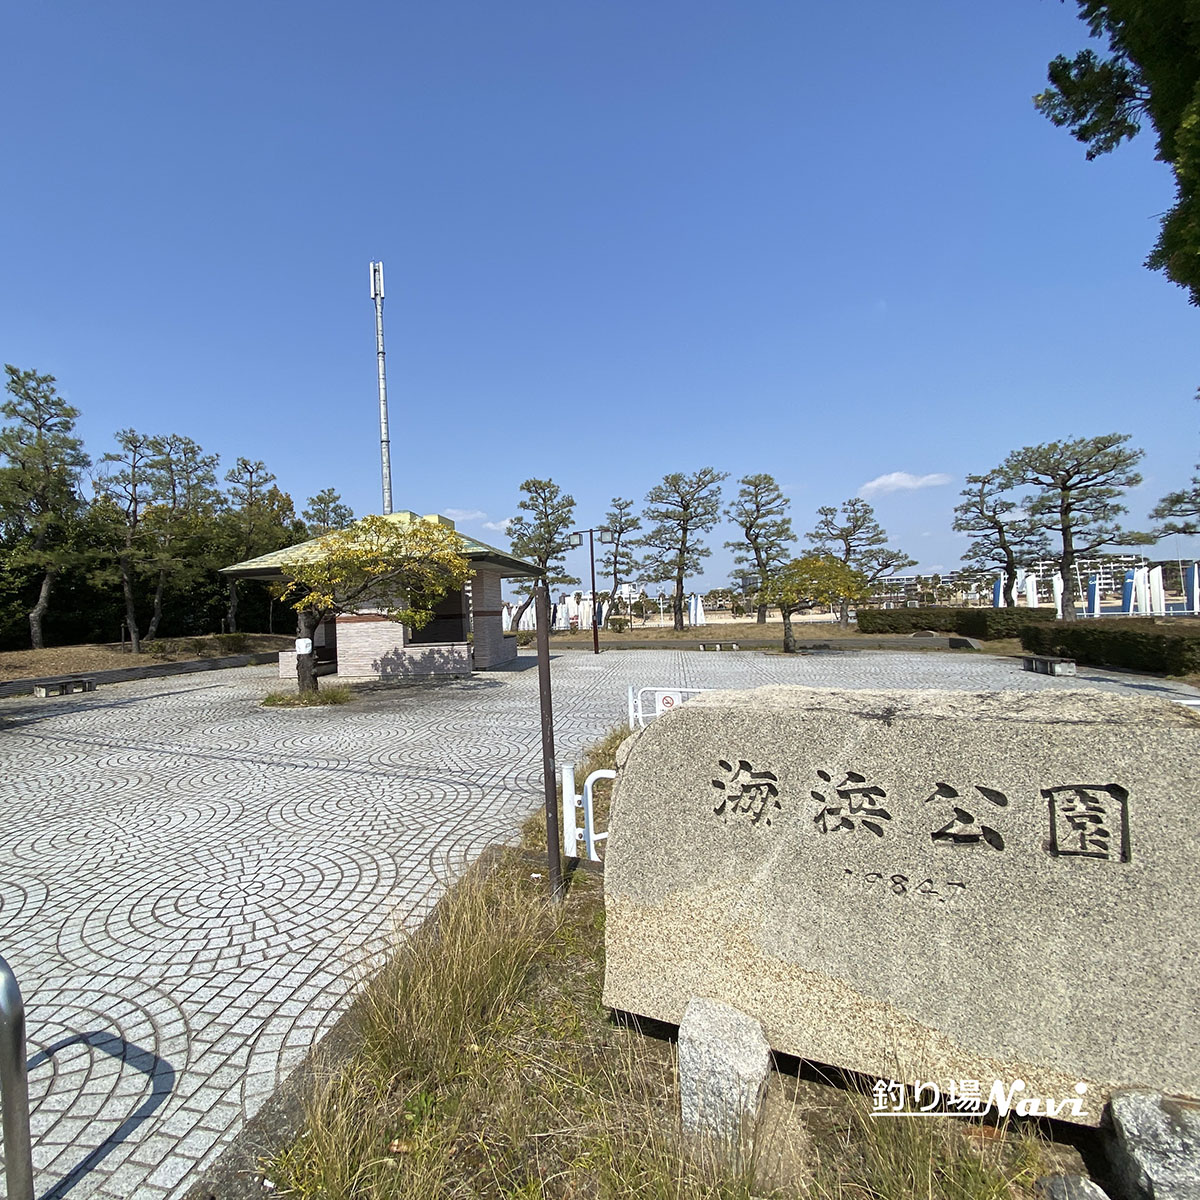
column 76, row 660
column 1004, row 647
column 927, row 1158
column 487, row 1066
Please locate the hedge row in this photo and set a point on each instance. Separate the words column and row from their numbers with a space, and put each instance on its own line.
column 969, row 622
column 907, row 620
column 1140, row 646
column 1001, row 622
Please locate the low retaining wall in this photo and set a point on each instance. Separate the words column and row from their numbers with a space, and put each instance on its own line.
column 24, row 687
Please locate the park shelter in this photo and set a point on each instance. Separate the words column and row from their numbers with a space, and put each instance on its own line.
column 466, row 633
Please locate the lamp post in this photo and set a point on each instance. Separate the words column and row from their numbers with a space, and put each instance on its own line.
column 606, row 539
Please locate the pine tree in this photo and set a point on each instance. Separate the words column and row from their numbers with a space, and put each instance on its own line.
column 39, row 483
column 542, row 537
column 1079, row 485
column 619, row 561
column 1001, row 539
column 760, row 511
column 678, row 511
column 855, row 538
column 326, row 512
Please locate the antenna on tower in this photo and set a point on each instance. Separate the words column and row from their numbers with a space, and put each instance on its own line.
column 385, row 451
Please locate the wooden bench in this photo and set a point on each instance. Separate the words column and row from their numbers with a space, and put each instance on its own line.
column 1044, row 664
column 64, row 687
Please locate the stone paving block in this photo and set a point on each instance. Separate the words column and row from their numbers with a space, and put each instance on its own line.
column 170, row 1171
column 187, row 863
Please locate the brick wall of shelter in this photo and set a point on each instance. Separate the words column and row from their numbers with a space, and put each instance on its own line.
column 487, row 622
column 366, row 644
column 370, row 646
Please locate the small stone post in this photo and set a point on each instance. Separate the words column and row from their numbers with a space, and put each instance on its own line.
column 724, row 1059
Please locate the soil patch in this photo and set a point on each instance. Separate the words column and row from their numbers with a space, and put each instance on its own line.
column 80, row 660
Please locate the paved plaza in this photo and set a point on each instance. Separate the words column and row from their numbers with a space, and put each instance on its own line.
column 191, row 884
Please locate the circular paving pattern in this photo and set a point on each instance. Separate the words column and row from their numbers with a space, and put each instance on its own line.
column 232, row 905
column 171, row 816
column 61, row 839
column 102, row 1058
column 20, row 902
column 191, row 875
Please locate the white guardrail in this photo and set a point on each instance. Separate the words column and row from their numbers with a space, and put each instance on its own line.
column 649, row 702
column 574, row 831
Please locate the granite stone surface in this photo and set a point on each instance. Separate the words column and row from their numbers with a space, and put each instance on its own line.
column 1155, row 1146
column 996, row 887
column 1068, row 1187
column 724, row 1060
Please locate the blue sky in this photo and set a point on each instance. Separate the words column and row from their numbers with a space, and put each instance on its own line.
column 834, row 243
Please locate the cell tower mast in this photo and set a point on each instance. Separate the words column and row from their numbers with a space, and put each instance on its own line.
column 385, row 449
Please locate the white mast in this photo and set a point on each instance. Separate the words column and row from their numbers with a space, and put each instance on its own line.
column 385, row 452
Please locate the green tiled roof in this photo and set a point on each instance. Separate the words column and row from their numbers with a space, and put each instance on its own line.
column 270, row 566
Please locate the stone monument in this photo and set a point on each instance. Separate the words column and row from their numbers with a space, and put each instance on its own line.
column 995, row 894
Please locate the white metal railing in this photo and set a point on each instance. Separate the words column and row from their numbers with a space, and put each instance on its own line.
column 574, row 831
column 664, row 699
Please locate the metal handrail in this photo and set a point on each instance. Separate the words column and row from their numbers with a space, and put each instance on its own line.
column 14, row 1088
column 573, row 831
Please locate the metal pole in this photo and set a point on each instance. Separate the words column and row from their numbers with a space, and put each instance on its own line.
column 553, row 850
column 385, row 445
column 595, row 625
column 14, row 1088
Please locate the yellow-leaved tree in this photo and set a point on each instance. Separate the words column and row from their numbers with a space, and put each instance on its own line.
column 813, row 578
column 399, row 569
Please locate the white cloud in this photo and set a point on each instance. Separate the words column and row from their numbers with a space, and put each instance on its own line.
column 902, row 481
column 499, row 526
column 464, row 514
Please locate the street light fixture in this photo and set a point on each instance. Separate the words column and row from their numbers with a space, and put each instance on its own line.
column 606, row 539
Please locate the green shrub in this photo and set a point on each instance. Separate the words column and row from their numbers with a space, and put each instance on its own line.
column 990, row 623
column 526, row 637
column 907, row 620
column 983, row 623
column 618, row 624
column 1132, row 644
column 232, row 643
